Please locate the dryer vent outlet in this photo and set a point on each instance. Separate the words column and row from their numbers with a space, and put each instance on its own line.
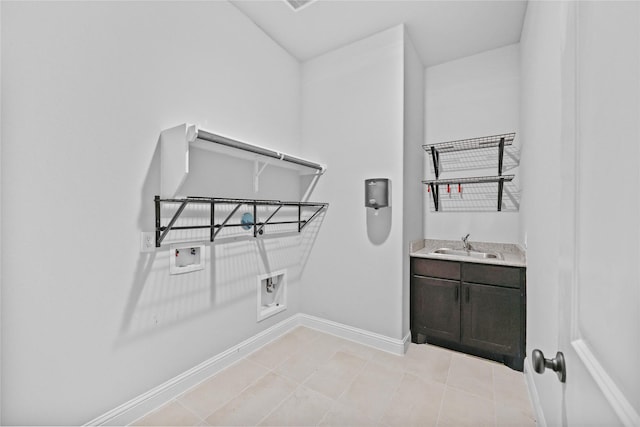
column 272, row 294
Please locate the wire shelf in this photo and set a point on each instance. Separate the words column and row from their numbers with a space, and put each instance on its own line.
column 479, row 196
column 472, row 143
column 482, row 158
column 470, row 180
column 211, row 217
column 495, row 151
column 484, row 193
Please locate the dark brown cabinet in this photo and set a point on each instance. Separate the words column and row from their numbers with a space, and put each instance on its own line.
column 474, row 308
column 491, row 318
column 435, row 312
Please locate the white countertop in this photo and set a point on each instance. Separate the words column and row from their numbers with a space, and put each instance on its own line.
column 512, row 254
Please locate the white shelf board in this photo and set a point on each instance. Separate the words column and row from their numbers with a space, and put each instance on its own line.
column 175, row 145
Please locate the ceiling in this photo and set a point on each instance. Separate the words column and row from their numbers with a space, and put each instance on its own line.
column 440, row 30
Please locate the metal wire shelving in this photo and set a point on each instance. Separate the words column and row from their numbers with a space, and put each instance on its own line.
column 483, row 193
column 474, row 153
column 310, row 209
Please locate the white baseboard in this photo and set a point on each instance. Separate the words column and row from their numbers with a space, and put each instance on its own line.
column 533, row 393
column 406, row 341
column 361, row 336
column 138, row 407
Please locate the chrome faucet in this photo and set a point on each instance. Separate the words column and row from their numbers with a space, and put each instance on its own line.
column 465, row 243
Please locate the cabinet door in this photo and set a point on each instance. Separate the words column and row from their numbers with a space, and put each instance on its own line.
column 435, row 308
column 491, row 318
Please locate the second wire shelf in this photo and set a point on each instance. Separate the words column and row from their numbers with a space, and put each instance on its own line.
column 474, row 194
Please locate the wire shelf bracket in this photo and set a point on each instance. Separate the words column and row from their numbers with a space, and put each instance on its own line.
column 214, row 229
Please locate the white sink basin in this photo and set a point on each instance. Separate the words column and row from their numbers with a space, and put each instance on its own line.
column 470, row 253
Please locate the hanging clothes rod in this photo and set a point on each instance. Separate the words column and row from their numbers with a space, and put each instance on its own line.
column 222, row 140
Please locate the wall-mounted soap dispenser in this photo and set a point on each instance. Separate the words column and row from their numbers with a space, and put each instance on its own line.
column 376, row 193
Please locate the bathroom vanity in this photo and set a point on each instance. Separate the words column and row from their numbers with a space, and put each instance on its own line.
column 472, row 301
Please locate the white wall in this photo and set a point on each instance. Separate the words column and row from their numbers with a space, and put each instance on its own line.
column 472, row 97
column 540, row 174
column 87, row 321
column 0, row 220
column 353, row 121
column 413, row 163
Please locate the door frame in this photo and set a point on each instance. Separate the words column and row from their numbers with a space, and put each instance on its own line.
column 1, row 220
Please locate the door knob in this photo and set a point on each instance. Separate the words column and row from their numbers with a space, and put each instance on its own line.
column 556, row 364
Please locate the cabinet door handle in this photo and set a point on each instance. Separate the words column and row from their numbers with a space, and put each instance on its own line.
column 455, row 298
column 466, row 294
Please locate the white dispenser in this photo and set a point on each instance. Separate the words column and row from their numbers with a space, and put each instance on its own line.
column 376, row 193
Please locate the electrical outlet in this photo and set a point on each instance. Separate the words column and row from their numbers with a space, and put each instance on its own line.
column 147, row 241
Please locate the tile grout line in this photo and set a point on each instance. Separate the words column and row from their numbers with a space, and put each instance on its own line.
column 298, row 384
column 474, row 393
column 333, row 404
column 239, row 392
column 192, row 388
column 371, row 362
column 335, row 400
column 269, row 370
column 353, row 381
column 200, row 419
column 280, row 403
column 395, row 392
column 354, row 378
column 189, row 390
column 444, row 391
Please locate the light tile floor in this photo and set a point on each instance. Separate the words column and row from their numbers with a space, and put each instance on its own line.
column 309, row 378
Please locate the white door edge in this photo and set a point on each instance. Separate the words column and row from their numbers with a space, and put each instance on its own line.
column 616, row 398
